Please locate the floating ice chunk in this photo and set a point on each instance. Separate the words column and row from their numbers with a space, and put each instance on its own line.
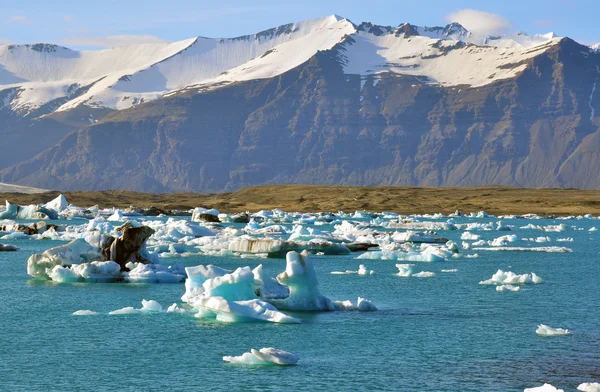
column 507, row 287
column 117, row 216
column 568, row 239
column 504, row 240
column 467, row 235
column 592, row 229
column 241, row 311
column 543, row 388
column 543, row 249
column 58, row 204
column 84, row 313
column 301, row 278
column 8, row 248
column 500, row 226
column 404, row 270
column 450, row 270
column 127, row 310
column 175, row 309
column 545, row 330
column 234, row 286
column 362, row 271
column 154, row 273
column 466, row 245
column 424, row 274
column 95, row 271
column 196, row 276
column 589, row 387
column 151, row 306
column 148, row 306
column 362, row 305
column 76, row 252
column 256, row 245
column 472, row 256
column 264, row 356
column 268, row 287
column 510, row 278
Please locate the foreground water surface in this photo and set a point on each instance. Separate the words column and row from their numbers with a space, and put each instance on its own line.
column 444, row 333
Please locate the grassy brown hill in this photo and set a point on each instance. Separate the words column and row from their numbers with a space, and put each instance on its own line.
column 405, row 200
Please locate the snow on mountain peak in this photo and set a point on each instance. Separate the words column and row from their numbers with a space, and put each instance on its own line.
column 128, row 75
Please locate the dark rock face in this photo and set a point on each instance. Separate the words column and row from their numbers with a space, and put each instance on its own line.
column 315, row 124
column 31, row 229
column 128, row 247
column 8, row 248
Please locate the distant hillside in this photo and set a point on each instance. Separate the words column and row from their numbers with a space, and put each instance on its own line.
column 323, row 102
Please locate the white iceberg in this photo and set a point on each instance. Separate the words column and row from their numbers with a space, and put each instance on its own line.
column 264, row 356
column 545, row 330
column 543, row 388
column 510, row 278
column 362, row 305
column 148, row 306
column 589, row 387
column 301, row 278
column 84, row 313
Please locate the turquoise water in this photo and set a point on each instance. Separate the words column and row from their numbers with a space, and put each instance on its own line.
column 445, row 333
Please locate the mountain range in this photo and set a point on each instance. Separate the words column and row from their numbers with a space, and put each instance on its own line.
column 323, row 101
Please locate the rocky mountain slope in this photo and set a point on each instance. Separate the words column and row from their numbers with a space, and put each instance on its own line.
column 323, row 101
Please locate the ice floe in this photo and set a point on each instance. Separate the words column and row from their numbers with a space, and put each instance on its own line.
column 543, row 388
column 589, row 387
column 264, row 356
column 545, row 330
column 510, row 278
column 84, row 313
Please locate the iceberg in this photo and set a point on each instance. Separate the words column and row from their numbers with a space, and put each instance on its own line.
column 148, row 306
column 404, row 270
column 424, row 274
column 508, row 287
column 545, row 330
column 84, row 313
column 543, row 388
column 75, row 252
column 362, row 305
column 301, row 278
column 95, row 271
column 264, row 356
column 589, row 387
column 510, row 278
column 154, row 273
column 230, row 296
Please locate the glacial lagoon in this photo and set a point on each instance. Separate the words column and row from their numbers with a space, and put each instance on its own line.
column 461, row 311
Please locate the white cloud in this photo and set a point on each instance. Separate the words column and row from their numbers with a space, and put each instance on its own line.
column 480, row 22
column 19, row 19
column 113, row 40
column 4, row 41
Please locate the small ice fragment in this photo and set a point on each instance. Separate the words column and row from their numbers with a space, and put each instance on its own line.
column 450, row 270
column 264, row 356
column 127, row 310
column 404, row 270
column 151, row 306
column 589, row 387
column 543, row 388
column 545, row 330
column 84, row 313
column 507, row 287
column 175, row 309
column 424, row 274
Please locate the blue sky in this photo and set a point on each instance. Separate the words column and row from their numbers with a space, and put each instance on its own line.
column 87, row 24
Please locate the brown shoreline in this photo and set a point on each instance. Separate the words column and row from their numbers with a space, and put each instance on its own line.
column 313, row 198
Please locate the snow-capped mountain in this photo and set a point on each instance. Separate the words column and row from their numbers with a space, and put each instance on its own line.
column 319, row 101
column 121, row 77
